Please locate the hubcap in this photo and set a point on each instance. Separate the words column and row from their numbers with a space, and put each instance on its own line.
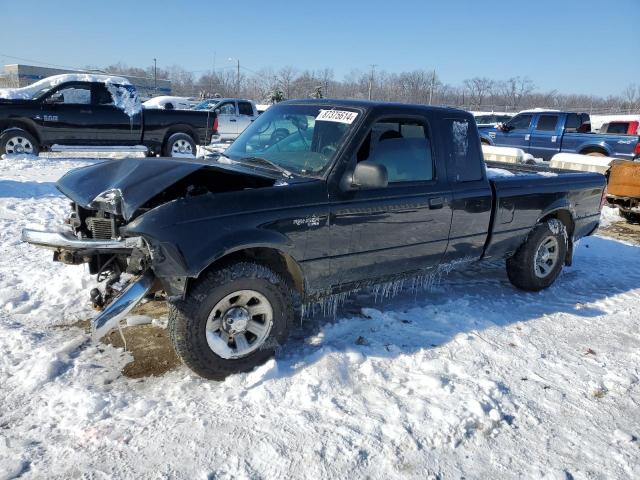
column 546, row 257
column 181, row 147
column 239, row 324
column 18, row 145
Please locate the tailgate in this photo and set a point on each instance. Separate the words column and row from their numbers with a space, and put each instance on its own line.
column 624, row 179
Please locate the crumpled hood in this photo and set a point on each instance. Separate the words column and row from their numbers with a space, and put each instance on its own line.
column 137, row 179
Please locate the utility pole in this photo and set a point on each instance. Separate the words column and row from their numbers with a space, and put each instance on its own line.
column 213, row 73
column 433, row 82
column 237, row 75
column 238, row 79
column 373, row 66
column 155, row 76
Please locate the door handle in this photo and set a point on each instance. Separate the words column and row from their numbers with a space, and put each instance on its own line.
column 232, row 120
column 85, row 111
column 436, row 202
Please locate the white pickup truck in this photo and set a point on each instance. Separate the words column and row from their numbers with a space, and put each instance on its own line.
column 234, row 115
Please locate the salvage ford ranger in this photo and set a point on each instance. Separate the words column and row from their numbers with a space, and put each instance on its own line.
column 315, row 198
column 95, row 110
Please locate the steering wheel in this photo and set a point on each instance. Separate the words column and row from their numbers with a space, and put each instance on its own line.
column 278, row 135
column 264, row 129
column 328, row 150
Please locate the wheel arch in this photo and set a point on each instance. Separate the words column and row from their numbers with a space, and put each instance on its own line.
column 268, row 255
column 180, row 128
column 566, row 216
column 7, row 125
column 585, row 149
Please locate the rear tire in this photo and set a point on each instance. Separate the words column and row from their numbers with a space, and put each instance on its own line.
column 16, row 141
column 179, row 145
column 539, row 260
column 596, row 154
column 202, row 327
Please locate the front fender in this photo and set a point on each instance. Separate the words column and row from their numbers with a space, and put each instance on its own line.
column 185, row 249
column 484, row 136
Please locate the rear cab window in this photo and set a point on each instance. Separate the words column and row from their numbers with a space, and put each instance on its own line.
column 464, row 155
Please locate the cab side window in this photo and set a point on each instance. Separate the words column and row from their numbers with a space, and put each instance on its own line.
column 520, row 122
column 227, row 108
column 72, row 95
column 402, row 147
column 245, row 108
column 547, row 123
column 101, row 96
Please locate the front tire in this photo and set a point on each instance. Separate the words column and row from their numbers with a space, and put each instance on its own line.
column 539, row 260
column 179, row 145
column 231, row 320
column 16, row 141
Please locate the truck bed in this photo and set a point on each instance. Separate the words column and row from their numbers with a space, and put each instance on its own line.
column 547, row 190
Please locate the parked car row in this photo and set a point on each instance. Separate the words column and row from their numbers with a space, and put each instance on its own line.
column 545, row 133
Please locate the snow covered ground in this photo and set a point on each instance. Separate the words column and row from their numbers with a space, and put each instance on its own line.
column 472, row 379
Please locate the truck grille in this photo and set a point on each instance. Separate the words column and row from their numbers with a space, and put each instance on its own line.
column 101, row 228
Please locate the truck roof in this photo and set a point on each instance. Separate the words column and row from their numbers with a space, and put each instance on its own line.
column 371, row 104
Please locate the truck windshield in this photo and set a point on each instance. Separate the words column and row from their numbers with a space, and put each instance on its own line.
column 302, row 139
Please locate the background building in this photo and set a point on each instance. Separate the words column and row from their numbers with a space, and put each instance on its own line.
column 18, row 75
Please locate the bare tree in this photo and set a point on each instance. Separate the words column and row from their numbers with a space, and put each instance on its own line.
column 631, row 95
column 286, row 76
column 478, row 88
column 515, row 89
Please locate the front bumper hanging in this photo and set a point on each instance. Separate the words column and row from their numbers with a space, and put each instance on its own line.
column 120, row 307
column 66, row 240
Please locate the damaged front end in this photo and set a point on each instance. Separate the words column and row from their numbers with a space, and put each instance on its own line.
column 110, row 259
column 109, row 202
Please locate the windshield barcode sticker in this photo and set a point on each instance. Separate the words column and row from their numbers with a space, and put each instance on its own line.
column 341, row 116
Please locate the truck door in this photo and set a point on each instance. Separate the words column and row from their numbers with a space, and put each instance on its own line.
column 379, row 233
column 546, row 136
column 472, row 195
column 245, row 115
column 517, row 132
column 67, row 115
column 227, row 120
column 110, row 124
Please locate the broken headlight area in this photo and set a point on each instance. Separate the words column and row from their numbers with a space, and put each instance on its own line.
column 108, row 201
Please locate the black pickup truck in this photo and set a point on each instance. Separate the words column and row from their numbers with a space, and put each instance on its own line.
column 95, row 110
column 315, row 198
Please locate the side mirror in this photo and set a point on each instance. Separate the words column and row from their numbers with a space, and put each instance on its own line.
column 369, row 175
column 217, row 110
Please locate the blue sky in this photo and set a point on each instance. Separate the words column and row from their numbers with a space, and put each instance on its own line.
column 585, row 46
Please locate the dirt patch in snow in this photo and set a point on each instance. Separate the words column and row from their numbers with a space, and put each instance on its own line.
column 152, row 352
column 622, row 230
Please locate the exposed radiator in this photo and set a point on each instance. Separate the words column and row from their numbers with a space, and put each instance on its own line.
column 101, row 228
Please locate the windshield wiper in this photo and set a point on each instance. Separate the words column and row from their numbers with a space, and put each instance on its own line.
column 264, row 161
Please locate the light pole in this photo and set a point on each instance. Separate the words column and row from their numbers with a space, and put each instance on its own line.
column 237, row 75
column 155, row 76
column 373, row 66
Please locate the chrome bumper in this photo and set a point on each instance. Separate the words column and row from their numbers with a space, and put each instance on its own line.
column 119, row 308
column 68, row 241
